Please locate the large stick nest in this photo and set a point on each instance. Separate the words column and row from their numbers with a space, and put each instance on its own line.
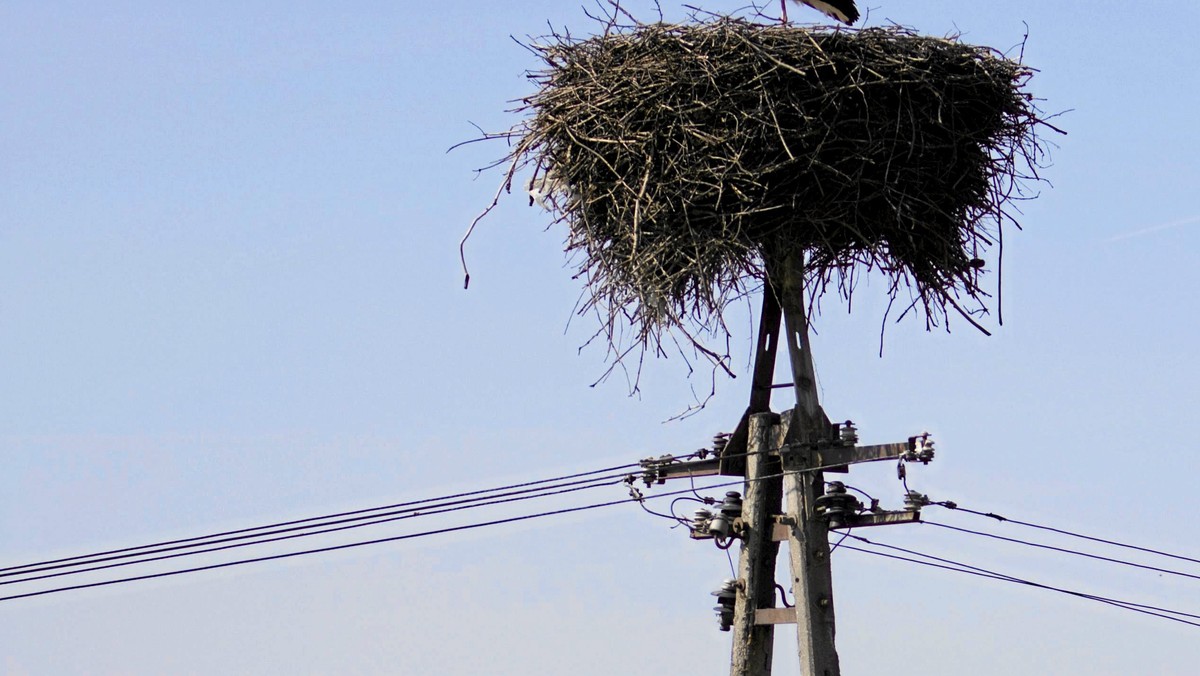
column 681, row 157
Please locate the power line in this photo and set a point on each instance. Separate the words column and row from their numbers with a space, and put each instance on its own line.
column 1060, row 531
column 7, row 571
column 333, row 548
column 1062, row 549
column 363, row 517
column 948, row 564
column 514, row 493
column 358, row 515
column 364, row 543
column 258, row 532
column 260, row 538
column 1005, row 578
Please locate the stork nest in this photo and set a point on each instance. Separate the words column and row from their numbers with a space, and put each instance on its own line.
column 685, row 159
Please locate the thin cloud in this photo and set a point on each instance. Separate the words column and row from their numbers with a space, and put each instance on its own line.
column 1154, row 228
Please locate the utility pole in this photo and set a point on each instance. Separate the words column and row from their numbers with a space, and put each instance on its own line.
column 800, row 444
column 806, row 533
column 808, row 536
column 753, row 643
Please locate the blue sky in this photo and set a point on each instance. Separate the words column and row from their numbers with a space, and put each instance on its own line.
column 230, row 295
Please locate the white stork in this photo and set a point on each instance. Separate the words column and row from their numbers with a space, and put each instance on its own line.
column 841, row 10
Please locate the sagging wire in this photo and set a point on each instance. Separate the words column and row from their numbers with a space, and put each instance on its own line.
column 1148, row 550
column 413, row 507
column 1064, row 550
column 637, row 497
column 683, row 520
column 956, row 566
column 340, row 547
column 143, row 556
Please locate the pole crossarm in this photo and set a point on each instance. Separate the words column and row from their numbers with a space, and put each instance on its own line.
column 810, row 457
column 880, row 519
column 799, row 457
column 782, row 529
column 693, row 469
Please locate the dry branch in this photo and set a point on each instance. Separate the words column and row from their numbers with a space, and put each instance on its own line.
column 681, row 156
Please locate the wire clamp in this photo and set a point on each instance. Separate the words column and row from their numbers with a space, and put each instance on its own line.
column 652, row 469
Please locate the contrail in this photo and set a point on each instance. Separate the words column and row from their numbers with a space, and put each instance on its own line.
column 1154, row 228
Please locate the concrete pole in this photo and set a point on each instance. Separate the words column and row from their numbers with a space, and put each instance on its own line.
column 753, row 644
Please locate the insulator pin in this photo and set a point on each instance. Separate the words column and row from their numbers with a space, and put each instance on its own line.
column 848, row 433
column 721, row 526
column 837, row 506
column 726, row 597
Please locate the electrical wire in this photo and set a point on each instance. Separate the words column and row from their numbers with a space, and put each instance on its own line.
column 333, row 548
column 857, row 490
column 412, row 503
column 1060, row 531
column 783, row 596
column 264, row 540
column 840, row 540
column 362, row 519
column 512, row 493
column 727, row 543
column 640, row 499
column 350, row 545
column 1005, row 578
column 684, row 521
column 948, row 564
column 688, row 498
column 1062, row 549
column 701, row 498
